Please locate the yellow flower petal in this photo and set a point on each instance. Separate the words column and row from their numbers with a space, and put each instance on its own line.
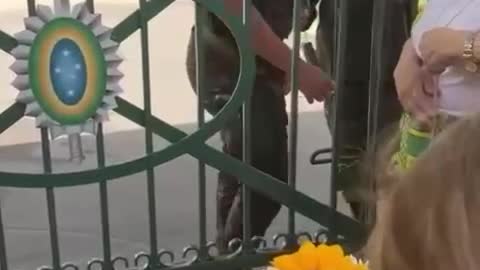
column 307, row 256
column 323, row 257
column 307, row 245
column 286, row 262
column 329, row 257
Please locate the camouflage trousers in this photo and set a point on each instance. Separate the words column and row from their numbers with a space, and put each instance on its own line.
column 269, row 154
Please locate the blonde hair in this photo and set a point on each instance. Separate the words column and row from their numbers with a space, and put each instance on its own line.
column 431, row 218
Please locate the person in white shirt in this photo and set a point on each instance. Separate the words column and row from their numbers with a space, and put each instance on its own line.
column 438, row 74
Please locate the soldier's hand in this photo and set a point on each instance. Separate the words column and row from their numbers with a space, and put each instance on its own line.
column 313, row 82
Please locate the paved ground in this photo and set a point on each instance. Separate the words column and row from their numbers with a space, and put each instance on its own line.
column 78, row 212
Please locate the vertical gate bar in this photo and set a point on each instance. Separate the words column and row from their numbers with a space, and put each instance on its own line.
column 90, row 5
column 52, row 215
column 200, row 24
column 341, row 21
column 247, row 146
column 377, row 76
column 292, row 159
column 336, row 24
column 103, row 187
column 148, row 132
column 50, row 194
column 31, row 7
column 3, row 246
column 376, row 82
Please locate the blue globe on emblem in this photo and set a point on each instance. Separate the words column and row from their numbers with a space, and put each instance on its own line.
column 68, row 71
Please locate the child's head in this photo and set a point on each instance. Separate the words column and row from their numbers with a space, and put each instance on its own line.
column 431, row 218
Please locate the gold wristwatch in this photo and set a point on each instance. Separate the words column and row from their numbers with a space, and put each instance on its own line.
column 471, row 62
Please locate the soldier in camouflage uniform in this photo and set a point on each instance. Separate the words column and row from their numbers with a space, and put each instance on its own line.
column 353, row 115
column 269, row 138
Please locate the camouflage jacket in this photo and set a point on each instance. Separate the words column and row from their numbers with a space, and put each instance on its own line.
column 221, row 51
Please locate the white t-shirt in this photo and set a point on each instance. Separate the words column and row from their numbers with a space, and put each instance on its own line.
column 460, row 89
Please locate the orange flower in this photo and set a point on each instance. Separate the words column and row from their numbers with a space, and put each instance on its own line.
column 322, row 257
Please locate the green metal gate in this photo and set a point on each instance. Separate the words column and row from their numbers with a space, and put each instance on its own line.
column 334, row 226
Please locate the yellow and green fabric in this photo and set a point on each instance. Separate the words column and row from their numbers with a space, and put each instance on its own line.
column 412, row 143
column 414, row 140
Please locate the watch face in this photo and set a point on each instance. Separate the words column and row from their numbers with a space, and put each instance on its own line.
column 471, row 67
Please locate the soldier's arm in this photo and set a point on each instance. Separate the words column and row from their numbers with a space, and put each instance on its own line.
column 270, row 47
column 265, row 42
